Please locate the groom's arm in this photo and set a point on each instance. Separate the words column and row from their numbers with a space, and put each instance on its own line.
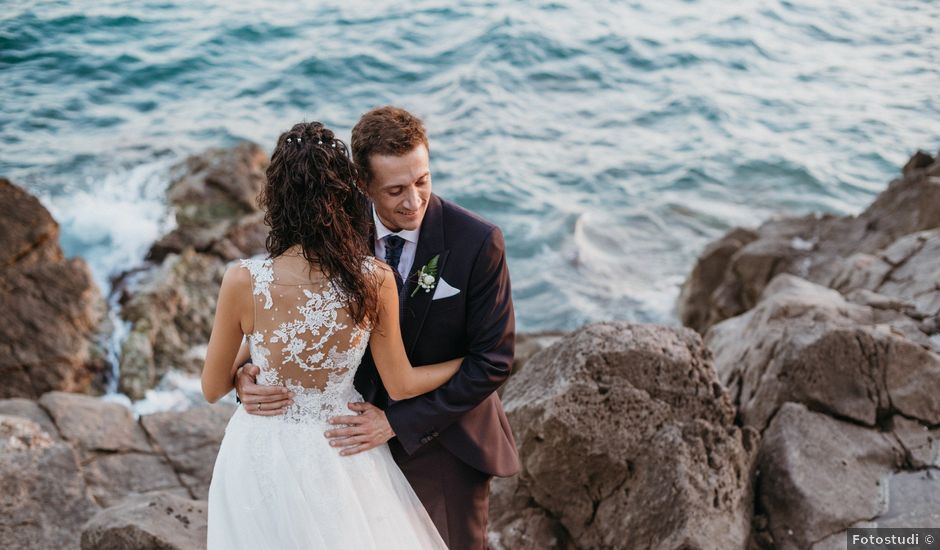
column 491, row 334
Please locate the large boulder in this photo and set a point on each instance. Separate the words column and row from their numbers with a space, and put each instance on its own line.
column 161, row 521
column 190, row 440
column 806, row 343
column 44, row 501
column 626, row 434
column 50, row 308
column 731, row 275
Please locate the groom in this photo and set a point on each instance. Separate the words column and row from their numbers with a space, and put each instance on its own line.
column 449, row 442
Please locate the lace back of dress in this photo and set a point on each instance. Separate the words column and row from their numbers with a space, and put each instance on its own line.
column 304, row 336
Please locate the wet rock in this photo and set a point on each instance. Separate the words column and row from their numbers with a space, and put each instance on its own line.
column 171, row 310
column 50, row 308
column 626, row 434
column 214, row 197
column 44, row 501
column 162, row 520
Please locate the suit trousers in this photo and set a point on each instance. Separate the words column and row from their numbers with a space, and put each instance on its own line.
column 455, row 495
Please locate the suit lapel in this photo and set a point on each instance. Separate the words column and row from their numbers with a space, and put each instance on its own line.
column 430, row 244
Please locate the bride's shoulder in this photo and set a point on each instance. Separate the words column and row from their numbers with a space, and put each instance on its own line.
column 371, row 264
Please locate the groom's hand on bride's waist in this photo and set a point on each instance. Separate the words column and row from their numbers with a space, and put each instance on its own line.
column 259, row 399
column 364, row 431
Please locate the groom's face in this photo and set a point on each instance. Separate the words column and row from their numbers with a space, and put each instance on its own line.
column 401, row 187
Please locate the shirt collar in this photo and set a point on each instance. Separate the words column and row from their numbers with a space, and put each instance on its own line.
column 410, row 235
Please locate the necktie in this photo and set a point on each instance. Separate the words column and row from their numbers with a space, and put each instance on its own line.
column 393, row 247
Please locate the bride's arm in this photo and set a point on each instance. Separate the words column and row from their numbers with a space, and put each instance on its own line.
column 401, row 379
column 233, row 317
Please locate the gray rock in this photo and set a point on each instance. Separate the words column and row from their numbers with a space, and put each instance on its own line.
column 190, row 440
column 27, row 408
column 731, row 274
column 44, row 501
column 111, row 477
column 625, row 434
column 94, row 425
column 161, row 521
column 806, row 343
column 819, row 476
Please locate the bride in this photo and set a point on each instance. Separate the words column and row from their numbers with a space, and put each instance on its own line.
column 308, row 311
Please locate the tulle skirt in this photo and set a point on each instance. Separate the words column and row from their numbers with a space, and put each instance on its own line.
column 278, row 484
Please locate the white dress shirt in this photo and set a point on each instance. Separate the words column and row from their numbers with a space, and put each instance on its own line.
column 407, row 259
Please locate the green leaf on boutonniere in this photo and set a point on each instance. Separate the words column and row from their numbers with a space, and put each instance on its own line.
column 426, row 276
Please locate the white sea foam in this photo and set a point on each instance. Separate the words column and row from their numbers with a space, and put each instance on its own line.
column 113, row 222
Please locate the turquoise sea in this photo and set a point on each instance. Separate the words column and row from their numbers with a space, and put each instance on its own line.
column 610, row 140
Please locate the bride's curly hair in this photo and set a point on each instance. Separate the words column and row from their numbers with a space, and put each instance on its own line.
column 312, row 198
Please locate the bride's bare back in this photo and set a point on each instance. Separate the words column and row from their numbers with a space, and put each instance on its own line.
column 303, row 334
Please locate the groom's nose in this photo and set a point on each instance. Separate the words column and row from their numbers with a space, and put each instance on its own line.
column 412, row 198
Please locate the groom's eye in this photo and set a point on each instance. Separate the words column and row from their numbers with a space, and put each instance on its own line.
column 394, row 191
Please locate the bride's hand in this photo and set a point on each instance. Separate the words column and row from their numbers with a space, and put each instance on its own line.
column 367, row 430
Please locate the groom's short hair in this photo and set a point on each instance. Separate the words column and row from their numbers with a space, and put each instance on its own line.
column 385, row 131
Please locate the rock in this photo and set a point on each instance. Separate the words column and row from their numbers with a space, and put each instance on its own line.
column 626, row 434
column 530, row 343
column 695, row 300
column 920, row 445
column 190, row 440
column 731, row 275
column 805, row 343
column 171, row 310
column 50, row 308
column 214, row 196
column 111, row 477
column 907, row 272
column 31, row 410
column 819, row 476
column 519, row 524
column 159, row 521
column 94, row 425
column 44, row 502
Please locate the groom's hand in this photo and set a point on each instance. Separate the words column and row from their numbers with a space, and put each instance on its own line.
column 367, row 430
column 259, row 399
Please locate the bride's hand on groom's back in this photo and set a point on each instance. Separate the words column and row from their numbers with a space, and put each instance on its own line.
column 259, row 399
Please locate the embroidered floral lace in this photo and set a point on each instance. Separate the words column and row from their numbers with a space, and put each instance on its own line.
column 304, row 337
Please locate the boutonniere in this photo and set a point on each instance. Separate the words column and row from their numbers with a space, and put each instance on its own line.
column 427, row 276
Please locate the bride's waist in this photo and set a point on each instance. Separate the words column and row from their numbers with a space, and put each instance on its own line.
column 313, row 406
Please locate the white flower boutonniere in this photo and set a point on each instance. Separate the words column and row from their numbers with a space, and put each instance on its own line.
column 427, row 276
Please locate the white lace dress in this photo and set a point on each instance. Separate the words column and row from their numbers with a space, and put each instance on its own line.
column 277, row 482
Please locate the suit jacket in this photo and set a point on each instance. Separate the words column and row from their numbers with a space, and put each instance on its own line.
column 465, row 414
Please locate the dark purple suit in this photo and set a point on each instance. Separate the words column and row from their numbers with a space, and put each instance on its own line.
column 449, row 442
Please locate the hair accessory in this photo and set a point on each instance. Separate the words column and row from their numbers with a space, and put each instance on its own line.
column 334, row 145
column 320, row 142
column 299, row 140
column 290, row 140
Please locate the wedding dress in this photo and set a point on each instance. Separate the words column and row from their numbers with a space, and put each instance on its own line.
column 277, row 482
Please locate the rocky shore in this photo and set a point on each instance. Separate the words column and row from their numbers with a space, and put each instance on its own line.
column 801, row 397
